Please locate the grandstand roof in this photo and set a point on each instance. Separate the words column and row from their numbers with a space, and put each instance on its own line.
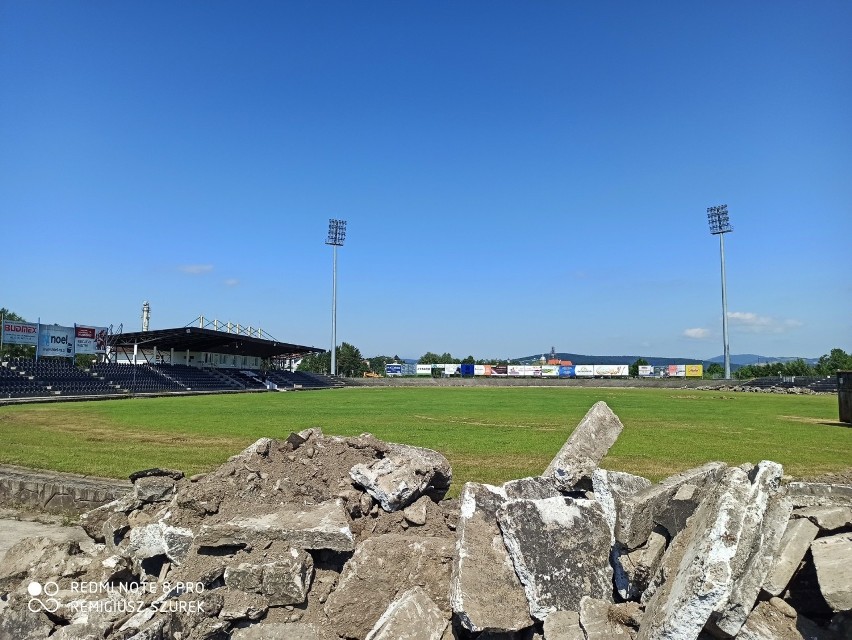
column 209, row 340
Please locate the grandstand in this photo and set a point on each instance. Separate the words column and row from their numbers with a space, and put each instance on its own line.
column 167, row 361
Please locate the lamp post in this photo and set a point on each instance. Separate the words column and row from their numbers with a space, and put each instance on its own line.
column 720, row 224
column 336, row 236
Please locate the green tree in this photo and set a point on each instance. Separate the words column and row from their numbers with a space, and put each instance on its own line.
column 377, row 363
column 316, row 362
column 446, row 358
column 634, row 368
column 798, row 368
column 469, row 360
column 430, row 358
column 350, row 362
column 834, row 361
column 714, row 370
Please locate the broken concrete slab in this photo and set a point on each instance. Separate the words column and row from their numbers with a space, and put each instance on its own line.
column 563, row 625
column 532, row 488
column 611, row 488
column 766, row 622
column 668, row 503
column 416, row 513
column 598, row 622
column 154, row 489
column 411, row 616
column 159, row 538
column 278, row 631
column 764, row 520
column 634, row 570
column 285, row 581
column 833, row 561
column 485, row 592
column 560, row 548
column 585, row 448
column 826, row 518
column 404, row 474
column 817, row 494
column 382, row 567
column 715, row 566
column 797, row 538
column 320, row 526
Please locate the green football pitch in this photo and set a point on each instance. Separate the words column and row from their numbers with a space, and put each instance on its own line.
column 489, row 434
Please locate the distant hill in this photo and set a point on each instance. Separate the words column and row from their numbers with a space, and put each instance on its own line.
column 577, row 358
column 742, row 359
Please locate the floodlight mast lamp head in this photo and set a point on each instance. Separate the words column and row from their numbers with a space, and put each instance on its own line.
column 336, row 232
column 718, row 219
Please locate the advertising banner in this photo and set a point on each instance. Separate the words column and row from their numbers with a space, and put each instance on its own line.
column 610, row 370
column 533, row 371
column 677, row 370
column 479, row 369
column 499, row 370
column 661, row 371
column 452, row 369
column 694, row 370
column 516, row 370
column 55, row 340
column 646, row 370
column 584, row 370
column 424, row 370
column 468, row 369
column 20, row 332
column 90, row 340
column 550, row 371
column 566, row 371
column 393, row 369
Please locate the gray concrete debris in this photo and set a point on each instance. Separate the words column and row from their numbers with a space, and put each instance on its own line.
column 766, row 622
column 412, row 616
column 174, row 474
column 715, row 566
column 563, row 625
column 795, row 543
column 277, row 631
column 381, row 568
column 815, row 494
column 826, row 518
column 833, row 561
column 764, row 519
column 668, row 503
column 285, row 581
column 154, row 489
column 611, row 488
column 532, row 488
column 599, row 623
column 485, row 591
column 634, row 570
column 403, row 475
column 259, row 447
column 585, row 448
column 320, row 526
column 159, row 538
column 416, row 513
column 560, row 549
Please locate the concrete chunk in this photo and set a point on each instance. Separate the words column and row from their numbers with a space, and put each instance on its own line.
column 599, row 623
column 827, row 518
column 586, row 447
column 668, row 504
column 715, row 566
column 485, row 592
column 277, row 631
column 816, row 494
column 321, row 526
column 404, row 474
column 412, row 616
column 532, row 488
column 381, row 568
column 833, row 561
column 635, row 569
column 563, row 625
column 795, row 543
column 159, row 538
column 766, row 622
column 283, row 582
column 560, row 549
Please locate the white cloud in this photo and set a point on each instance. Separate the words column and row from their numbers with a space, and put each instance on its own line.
column 754, row 323
column 196, row 269
column 231, row 282
column 697, row 333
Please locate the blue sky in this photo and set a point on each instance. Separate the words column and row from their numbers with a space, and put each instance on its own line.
column 515, row 175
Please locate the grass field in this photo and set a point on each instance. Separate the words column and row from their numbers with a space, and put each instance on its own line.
column 488, row 434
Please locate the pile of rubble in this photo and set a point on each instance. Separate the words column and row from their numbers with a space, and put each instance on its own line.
column 747, row 388
column 322, row 538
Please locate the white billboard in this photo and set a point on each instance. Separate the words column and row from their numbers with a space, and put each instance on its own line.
column 549, row 371
column 646, row 370
column 20, row 332
column 424, row 370
column 479, row 369
column 584, row 370
column 451, row 369
column 90, row 340
column 55, row 340
column 610, row 370
column 515, row 370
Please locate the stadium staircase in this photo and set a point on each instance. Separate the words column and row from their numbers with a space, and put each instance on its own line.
column 824, row 385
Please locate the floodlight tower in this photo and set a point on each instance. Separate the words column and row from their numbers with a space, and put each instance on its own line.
column 336, row 236
column 720, row 224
